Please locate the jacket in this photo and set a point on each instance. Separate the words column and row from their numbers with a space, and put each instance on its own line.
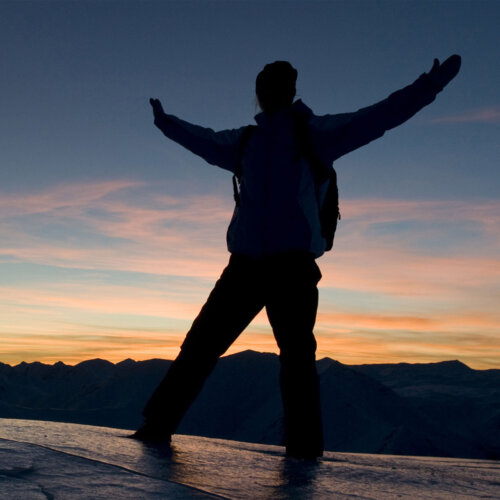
column 279, row 200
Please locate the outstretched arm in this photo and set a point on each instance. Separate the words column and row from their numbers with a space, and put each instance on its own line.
column 217, row 148
column 340, row 134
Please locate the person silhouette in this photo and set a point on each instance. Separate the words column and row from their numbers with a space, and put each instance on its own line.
column 274, row 239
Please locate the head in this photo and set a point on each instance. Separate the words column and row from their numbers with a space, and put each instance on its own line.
column 275, row 86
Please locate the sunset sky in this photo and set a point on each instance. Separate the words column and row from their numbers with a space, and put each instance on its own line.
column 111, row 236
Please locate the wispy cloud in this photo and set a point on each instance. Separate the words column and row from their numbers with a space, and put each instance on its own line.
column 66, row 198
column 115, row 225
column 483, row 115
column 402, row 248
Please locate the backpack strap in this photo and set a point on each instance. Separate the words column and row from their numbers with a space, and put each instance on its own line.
column 329, row 210
column 245, row 137
column 320, row 171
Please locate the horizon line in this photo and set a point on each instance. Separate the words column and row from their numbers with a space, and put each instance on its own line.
column 21, row 363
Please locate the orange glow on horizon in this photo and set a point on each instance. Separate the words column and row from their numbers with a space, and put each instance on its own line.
column 350, row 347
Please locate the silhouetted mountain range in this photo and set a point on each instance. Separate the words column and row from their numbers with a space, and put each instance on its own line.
column 434, row 409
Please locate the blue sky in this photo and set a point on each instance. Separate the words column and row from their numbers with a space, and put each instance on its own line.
column 112, row 236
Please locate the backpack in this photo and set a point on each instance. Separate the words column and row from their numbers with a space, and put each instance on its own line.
column 329, row 212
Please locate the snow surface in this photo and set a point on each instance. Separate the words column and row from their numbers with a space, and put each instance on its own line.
column 30, row 471
column 51, row 460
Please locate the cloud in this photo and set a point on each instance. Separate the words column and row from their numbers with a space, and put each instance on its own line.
column 485, row 213
column 102, row 299
column 445, row 251
column 65, row 197
column 392, row 326
column 484, row 115
column 115, row 225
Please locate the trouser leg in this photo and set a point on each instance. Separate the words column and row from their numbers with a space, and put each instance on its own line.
column 230, row 307
column 291, row 306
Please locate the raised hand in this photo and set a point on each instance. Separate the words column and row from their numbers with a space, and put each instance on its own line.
column 157, row 107
column 442, row 74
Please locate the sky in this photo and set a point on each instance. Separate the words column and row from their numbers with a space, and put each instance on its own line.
column 112, row 236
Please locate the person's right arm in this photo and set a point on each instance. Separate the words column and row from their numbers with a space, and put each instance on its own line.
column 217, row 148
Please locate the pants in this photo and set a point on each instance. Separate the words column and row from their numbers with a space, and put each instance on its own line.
column 286, row 286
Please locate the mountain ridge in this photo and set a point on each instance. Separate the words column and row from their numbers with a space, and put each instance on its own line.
column 251, row 352
column 438, row 409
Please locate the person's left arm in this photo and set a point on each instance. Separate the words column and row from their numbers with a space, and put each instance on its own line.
column 339, row 134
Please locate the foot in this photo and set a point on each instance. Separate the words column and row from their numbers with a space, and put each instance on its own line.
column 152, row 434
column 304, row 456
column 304, row 453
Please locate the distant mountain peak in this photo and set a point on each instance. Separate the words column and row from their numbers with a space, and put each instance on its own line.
column 450, row 367
column 454, row 362
column 97, row 362
column 126, row 362
column 250, row 354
